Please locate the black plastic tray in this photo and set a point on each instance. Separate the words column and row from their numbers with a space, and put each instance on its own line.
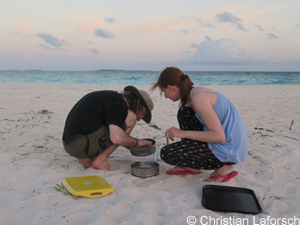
column 230, row 199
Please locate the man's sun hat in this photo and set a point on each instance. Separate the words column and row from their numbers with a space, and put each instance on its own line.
column 145, row 99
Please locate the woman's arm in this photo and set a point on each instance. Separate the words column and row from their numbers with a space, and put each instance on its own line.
column 202, row 103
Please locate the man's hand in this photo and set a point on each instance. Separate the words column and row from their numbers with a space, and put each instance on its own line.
column 143, row 143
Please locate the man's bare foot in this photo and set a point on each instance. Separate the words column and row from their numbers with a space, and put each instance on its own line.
column 100, row 163
column 219, row 174
column 177, row 170
column 87, row 163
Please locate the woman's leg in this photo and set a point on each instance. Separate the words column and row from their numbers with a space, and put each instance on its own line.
column 220, row 174
column 189, row 153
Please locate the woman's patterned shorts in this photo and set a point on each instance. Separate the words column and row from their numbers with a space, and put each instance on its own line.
column 187, row 152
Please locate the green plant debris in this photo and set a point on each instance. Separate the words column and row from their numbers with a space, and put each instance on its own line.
column 62, row 188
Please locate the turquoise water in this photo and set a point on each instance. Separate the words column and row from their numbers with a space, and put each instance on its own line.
column 128, row 77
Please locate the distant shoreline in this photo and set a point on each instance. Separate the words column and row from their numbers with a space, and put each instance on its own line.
column 131, row 77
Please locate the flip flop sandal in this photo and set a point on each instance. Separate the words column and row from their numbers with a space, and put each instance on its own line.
column 226, row 177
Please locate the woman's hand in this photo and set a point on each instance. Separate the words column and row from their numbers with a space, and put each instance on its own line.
column 174, row 132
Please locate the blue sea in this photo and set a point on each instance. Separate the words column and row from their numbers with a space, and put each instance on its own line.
column 133, row 77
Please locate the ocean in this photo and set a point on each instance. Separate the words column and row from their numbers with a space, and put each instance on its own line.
column 133, row 77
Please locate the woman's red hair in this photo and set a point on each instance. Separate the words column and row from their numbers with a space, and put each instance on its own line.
column 175, row 77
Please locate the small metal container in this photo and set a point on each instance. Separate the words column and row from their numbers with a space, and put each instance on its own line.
column 144, row 169
column 144, row 151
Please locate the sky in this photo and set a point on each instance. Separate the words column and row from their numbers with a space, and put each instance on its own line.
column 217, row 35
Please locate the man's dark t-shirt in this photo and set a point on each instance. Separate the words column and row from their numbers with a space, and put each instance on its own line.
column 93, row 111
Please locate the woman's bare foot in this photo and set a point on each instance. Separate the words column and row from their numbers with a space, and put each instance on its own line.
column 184, row 169
column 87, row 163
column 101, row 163
column 219, row 174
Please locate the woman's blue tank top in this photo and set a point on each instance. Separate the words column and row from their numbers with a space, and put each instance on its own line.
column 236, row 145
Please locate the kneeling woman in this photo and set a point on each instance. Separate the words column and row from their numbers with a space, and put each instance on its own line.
column 213, row 136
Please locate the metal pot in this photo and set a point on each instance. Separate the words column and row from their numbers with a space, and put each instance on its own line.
column 145, row 169
column 144, row 151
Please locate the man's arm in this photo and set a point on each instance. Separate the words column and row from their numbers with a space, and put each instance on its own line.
column 119, row 137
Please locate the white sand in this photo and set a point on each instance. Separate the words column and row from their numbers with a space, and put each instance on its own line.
column 33, row 161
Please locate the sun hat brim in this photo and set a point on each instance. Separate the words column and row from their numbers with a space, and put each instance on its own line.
column 147, row 118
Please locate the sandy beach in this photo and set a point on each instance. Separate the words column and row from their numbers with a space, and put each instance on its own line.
column 33, row 161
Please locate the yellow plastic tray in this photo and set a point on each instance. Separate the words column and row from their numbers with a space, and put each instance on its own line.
column 88, row 186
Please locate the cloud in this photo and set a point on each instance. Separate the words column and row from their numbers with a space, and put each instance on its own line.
column 272, row 36
column 259, row 28
column 49, row 39
column 14, row 33
column 297, row 26
column 94, row 51
column 65, row 43
column 208, row 38
column 104, row 34
column 185, row 31
column 194, row 46
column 240, row 27
column 227, row 17
column 111, row 20
column 18, row 34
column 46, row 47
column 223, row 51
column 202, row 24
column 186, row 53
